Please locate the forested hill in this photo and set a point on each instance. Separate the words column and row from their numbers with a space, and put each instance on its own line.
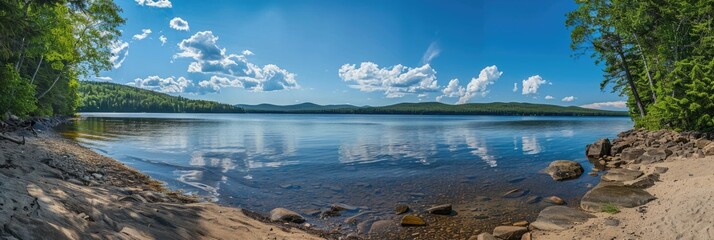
column 435, row 108
column 110, row 97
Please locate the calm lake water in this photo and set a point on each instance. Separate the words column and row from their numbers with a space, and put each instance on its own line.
column 302, row 162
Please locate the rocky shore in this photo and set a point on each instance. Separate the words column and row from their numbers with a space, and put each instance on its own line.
column 654, row 185
column 52, row 188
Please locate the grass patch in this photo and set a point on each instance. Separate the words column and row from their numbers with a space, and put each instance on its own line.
column 610, row 208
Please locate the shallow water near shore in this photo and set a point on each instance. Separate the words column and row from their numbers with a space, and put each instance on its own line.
column 307, row 162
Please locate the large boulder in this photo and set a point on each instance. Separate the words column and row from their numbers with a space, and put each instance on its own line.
column 599, row 149
column 621, row 196
column 564, row 169
column 285, row 215
column 631, row 154
column 509, row 232
column 621, row 175
column 559, row 218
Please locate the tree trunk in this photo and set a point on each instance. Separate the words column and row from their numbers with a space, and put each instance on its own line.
column 52, row 86
column 39, row 64
column 647, row 69
column 22, row 56
column 631, row 82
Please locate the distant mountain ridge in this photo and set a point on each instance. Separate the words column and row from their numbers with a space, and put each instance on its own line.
column 306, row 106
column 436, row 108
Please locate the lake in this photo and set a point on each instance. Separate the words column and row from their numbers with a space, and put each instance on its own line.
column 307, row 162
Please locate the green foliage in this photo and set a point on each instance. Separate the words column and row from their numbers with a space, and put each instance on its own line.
column 23, row 101
column 110, row 97
column 610, row 208
column 48, row 45
column 657, row 53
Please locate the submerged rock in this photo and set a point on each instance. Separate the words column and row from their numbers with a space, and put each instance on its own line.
column 533, row 199
column 444, row 209
column 559, row 218
column 564, row 169
column 621, row 196
column 509, row 232
column 342, row 206
column 401, row 208
column 285, row 215
column 515, row 193
column 412, row 220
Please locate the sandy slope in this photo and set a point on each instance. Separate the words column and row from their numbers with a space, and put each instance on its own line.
column 684, row 208
column 52, row 188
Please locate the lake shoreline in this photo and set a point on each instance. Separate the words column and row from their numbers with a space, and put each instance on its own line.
column 54, row 188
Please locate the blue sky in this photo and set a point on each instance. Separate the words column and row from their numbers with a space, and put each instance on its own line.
column 358, row 52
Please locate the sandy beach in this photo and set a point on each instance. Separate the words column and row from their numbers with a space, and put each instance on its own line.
column 683, row 208
column 52, row 188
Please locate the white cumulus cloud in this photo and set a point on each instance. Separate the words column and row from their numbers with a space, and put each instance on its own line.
column 144, row 33
column 165, row 85
column 479, row 85
column 155, row 3
column 394, row 81
column 515, row 87
column 119, row 50
column 452, row 90
column 163, row 39
column 531, row 85
column 179, row 24
column 569, row 99
column 548, row 97
column 600, row 105
column 211, row 59
column 247, row 53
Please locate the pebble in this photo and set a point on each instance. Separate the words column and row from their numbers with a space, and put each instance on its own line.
column 612, row 222
column 521, row 223
column 401, row 208
column 412, row 220
column 556, row 200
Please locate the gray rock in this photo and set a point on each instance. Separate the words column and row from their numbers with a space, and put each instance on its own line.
column 97, row 175
column 515, row 193
column 654, row 155
column 598, row 149
column 621, row 196
column 621, row 175
column 644, row 181
column 444, row 209
column 485, row 236
column 342, row 207
column 533, row 199
column 631, row 154
column 708, row 149
column 509, row 232
column 564, row 169
column 701, row 143
column 661, row 170
column 559, row 218
column 383, row 226
column 285, row 215
column 612, row 222
column 401, row 208
column 620, row 146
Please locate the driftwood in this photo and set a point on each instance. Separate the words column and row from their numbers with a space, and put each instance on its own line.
column 12, row 139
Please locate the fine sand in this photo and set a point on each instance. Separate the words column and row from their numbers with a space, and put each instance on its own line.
column 684, row 208
column 52, row 188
